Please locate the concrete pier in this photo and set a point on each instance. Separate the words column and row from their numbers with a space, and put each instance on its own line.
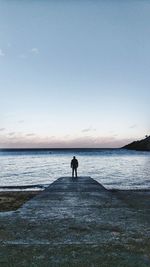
column 76, row 222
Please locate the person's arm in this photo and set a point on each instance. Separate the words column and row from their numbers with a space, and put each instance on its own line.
column 71, row 164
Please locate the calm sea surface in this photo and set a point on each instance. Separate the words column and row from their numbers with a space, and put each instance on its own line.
column 114, row 168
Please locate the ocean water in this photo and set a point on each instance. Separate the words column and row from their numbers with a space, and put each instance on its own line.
column 113, row 168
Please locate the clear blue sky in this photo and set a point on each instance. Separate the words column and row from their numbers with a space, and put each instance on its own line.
column 74, row 73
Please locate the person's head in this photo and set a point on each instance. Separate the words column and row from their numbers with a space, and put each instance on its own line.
column 74, row 157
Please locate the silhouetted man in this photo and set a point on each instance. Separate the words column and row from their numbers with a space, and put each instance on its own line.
column 74, row 166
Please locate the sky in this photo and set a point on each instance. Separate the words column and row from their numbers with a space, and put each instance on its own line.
column 74, row 73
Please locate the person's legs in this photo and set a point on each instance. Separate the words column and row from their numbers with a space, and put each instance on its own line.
column 76, row 172
column 72, row 172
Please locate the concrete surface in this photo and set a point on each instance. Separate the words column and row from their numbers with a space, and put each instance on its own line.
column 76, row 222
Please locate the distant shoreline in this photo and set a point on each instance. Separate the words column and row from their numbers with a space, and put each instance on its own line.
column 139, row 145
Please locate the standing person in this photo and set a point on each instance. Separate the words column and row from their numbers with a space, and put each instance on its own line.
column 74, row 166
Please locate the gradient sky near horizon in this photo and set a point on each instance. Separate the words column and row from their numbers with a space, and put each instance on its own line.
column 74, row 73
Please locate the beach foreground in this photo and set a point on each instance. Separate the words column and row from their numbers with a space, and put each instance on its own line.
column 77, row 222
column 10, row 200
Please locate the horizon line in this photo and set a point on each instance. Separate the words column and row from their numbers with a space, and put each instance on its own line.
column 58, row 148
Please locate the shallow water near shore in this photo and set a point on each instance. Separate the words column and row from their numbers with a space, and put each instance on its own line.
column 113, row 168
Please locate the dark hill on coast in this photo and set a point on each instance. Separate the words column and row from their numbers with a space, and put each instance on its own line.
column 141, row 145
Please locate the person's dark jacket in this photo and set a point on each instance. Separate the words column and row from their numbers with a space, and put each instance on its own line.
column 74, row 163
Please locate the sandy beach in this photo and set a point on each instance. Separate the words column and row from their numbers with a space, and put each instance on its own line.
column 75, row 222
column 12, row 200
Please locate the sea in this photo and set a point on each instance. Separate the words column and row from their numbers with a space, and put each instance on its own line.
column 37, row 168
